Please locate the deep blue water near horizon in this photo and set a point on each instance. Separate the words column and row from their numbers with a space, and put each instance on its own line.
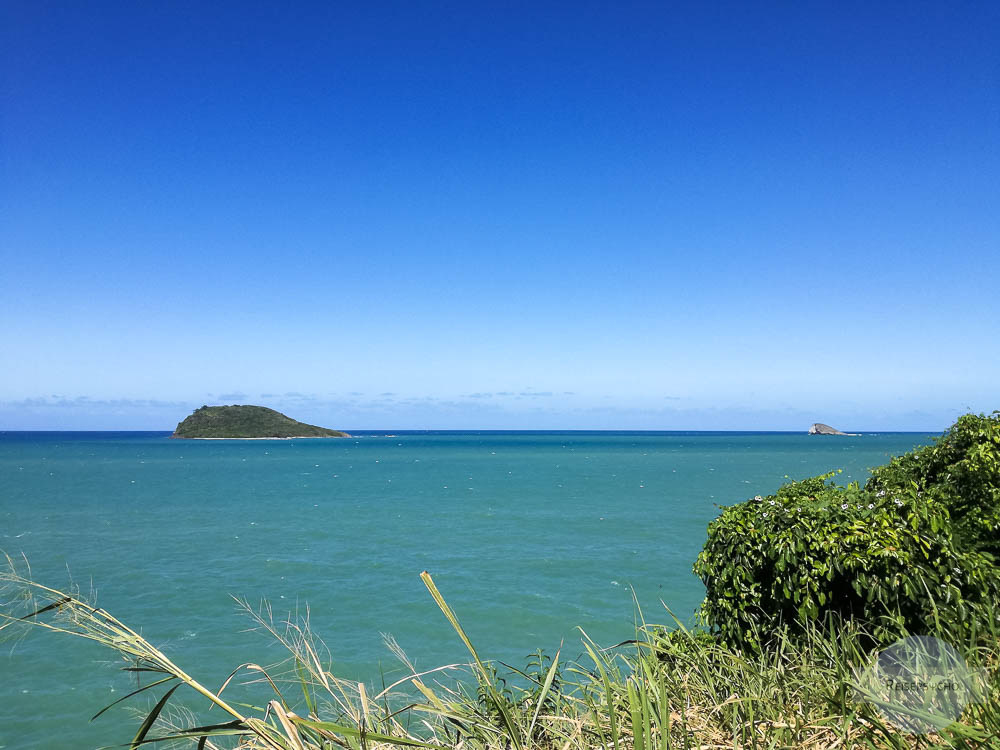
column 529, row 535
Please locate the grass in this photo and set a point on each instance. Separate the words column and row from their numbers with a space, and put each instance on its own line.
column 669, row 687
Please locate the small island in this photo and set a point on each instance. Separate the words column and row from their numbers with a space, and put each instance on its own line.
column 246, row 423
column 824, row 429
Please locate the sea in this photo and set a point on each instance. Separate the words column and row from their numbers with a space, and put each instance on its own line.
column 535, row 539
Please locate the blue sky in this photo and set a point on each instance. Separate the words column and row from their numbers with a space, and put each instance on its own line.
column 537, row 215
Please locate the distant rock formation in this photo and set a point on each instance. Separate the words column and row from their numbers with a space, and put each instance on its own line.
column 824, row 429
column 239, row 421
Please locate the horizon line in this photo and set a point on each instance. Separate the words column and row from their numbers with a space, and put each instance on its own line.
column 400, row 431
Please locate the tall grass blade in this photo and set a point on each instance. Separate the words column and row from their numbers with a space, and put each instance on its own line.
column 549, row 677
column 148, row 722
column 134, row 692
column 349, row 731
column 485, row 677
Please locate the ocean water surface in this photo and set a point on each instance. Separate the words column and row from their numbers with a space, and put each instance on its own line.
column 529, row 535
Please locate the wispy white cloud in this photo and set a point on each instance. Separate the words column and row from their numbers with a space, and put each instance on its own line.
column 236, row 396
column 527, row 409
column 76, row 402
column 86, row 413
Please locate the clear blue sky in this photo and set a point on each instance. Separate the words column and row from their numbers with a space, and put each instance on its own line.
column 538, row 215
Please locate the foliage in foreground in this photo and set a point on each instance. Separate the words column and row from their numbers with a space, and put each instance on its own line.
column 918, row 542
column 664, row 690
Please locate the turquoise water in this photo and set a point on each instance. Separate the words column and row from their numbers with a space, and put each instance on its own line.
column 528, row 535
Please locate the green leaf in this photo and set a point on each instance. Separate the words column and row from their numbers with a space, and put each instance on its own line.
column 134, row 692
column 350, row 731
column 148, row 722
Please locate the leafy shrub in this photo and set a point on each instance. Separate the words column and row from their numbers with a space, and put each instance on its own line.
column 962, row 470
column 916, row 543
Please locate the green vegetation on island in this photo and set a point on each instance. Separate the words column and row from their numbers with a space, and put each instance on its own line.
column 805, row 589
column 239, row 421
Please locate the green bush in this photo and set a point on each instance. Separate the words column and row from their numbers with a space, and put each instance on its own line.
column 918, row 542
column 962, row 471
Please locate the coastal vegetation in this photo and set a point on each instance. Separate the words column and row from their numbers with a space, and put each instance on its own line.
column 245, row 421
column 921, row 539
column 804, row 588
